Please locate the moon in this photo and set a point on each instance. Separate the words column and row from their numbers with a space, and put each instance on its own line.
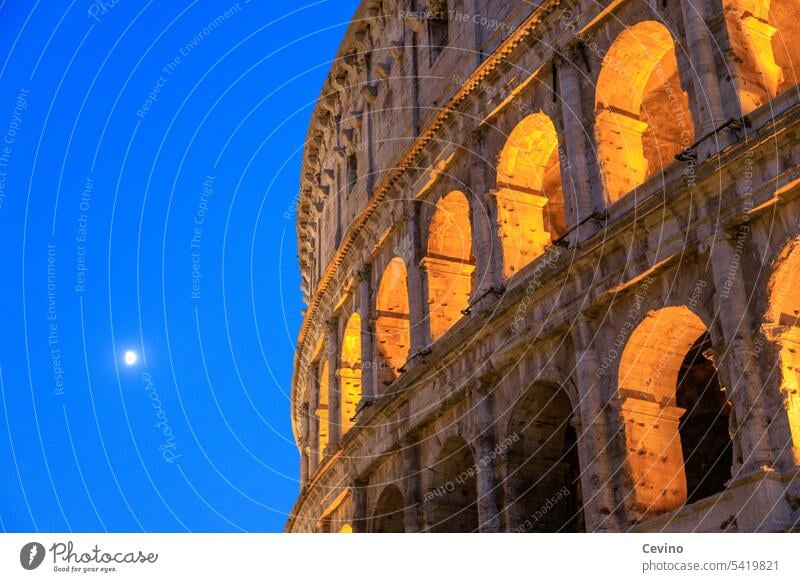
column 130, row 357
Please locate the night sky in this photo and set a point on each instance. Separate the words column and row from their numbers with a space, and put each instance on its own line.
column 149, row 165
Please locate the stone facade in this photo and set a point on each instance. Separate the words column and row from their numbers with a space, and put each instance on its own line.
column 550, row 255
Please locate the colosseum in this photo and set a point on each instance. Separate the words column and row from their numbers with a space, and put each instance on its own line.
column 551, row 258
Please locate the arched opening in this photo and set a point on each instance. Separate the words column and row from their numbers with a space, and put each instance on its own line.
column 674, row 411
column 346, row 528
column 389, row 512
column 392, row 321
column 763, row 36
column 543, row 487
column 782, row 325
column 530, row 196
column 322, row 409
column 642, row 116
column 449, row 263
column 350, row 371
column 452, row 500
column 707, row 453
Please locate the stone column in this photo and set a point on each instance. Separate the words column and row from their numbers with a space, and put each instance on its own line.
column 369, row 127
column 511, row 510
column 413, row 488
column 584, row 198
column 368, row 356
column 313, row 435
column 305, row 473
column 334, row 392
column 418, row 314
column 737, row 364
column 483, row 445
column 359, row 495
column 303, row 464
column 483, row 214
column 707, row 100
column 594, row 450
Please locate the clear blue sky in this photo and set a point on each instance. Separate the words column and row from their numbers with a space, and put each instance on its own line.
column 149, row 160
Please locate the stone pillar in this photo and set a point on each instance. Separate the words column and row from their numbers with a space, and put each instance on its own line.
column 483, row 214
column 707, row 100
column 313, row 436
column 359, row 495
column 597, row 477
column 483, row 445
column 305, row 430
column 584, row 199
column 511, row 512
column 413, row 488
column 334, row 392
column 778, row 354
column 303, row 464
column 756, row 75
column 737, row 364
column 620, row 134
column 368, row 356
column 419, row 325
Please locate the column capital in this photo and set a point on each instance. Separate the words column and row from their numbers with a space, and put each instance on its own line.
column 332, row 326
column 364, row 272
column 488, row 376
column 477, row 137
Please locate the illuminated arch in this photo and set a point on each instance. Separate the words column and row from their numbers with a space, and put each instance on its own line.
column 675, row 412
column 449, row 263
column 530, row 197
column 764, row 38
column 346, row 528
column 322, row 410
column 392, row 321
column 783, row 328
column 389, row 512
column 350, row 371
column 642, row 116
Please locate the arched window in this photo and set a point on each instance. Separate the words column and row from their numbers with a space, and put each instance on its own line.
column 530, row 197
column 674, row 411
column 783, row 328
column 764, row 39
column 543, row 488
column 449, row 263
column 392, row 321
column 346, row 528
column 642, row 117
column 350, row 371
column 389, row 512
column 322, row 409
column 453, row 504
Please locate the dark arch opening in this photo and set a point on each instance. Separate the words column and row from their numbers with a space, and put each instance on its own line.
column 452, row 500
column 543, row 489
column 389, row 514
column 705, row 442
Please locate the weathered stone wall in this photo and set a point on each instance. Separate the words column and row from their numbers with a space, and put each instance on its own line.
column 552, row 401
